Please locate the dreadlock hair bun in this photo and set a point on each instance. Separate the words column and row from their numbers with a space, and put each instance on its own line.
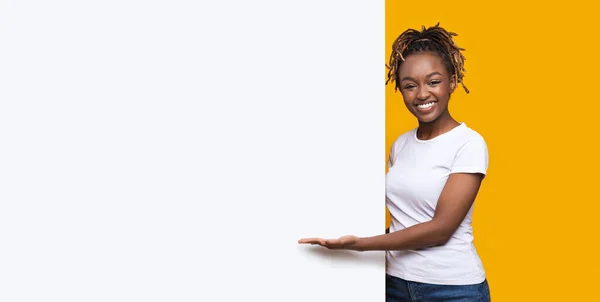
column 435, row 39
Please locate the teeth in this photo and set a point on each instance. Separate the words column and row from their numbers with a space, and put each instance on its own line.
column 425, row 105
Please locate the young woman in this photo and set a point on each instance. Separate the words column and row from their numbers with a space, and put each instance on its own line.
column 435, row 172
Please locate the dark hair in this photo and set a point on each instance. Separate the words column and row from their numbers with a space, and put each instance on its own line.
column 435, row 39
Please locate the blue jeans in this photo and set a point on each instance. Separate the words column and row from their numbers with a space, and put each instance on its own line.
column 400, row 290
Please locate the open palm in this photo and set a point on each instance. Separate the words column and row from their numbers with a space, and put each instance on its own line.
column 345, row 242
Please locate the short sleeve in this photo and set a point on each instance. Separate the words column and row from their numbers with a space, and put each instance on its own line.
column 472, row 157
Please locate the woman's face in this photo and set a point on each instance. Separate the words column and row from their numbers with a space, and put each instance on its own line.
column 426, row 85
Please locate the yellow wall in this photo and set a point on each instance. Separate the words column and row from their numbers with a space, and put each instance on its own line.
column 534, row 75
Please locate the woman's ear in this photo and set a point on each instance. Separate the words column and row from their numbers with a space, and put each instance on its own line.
column 453, row 83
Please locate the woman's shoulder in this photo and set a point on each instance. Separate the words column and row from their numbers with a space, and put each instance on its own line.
column 470, row 141
column 403, row 137
column 471, row 134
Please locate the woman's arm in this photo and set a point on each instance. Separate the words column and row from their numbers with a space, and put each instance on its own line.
column 454, row 203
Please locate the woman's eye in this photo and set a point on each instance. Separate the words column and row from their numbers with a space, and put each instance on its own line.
column 409, row 86
column 434, row 82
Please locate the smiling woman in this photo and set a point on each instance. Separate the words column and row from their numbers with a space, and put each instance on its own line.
column 435, row 172
column 426, row 86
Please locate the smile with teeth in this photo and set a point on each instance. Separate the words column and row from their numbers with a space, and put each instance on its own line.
column 426, row 105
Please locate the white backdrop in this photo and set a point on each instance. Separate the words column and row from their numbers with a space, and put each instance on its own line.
column 177, row 150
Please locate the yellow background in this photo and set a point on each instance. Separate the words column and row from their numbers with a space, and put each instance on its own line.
column 534, row 75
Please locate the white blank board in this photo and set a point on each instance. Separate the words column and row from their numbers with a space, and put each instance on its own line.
column 177, row 150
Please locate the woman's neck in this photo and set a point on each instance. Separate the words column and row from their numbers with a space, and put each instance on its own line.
column 441, row 125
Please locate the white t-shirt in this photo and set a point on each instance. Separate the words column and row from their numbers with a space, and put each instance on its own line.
column 418, row 171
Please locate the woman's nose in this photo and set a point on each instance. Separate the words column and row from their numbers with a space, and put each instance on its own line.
column 423, row 93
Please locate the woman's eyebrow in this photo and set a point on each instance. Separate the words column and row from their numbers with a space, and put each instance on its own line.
column 428, row 76
column 433, row 73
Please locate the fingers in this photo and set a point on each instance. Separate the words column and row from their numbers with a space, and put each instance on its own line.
column 348, row 242
column 328, row 243
column 309, row 240
column 318, row 241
